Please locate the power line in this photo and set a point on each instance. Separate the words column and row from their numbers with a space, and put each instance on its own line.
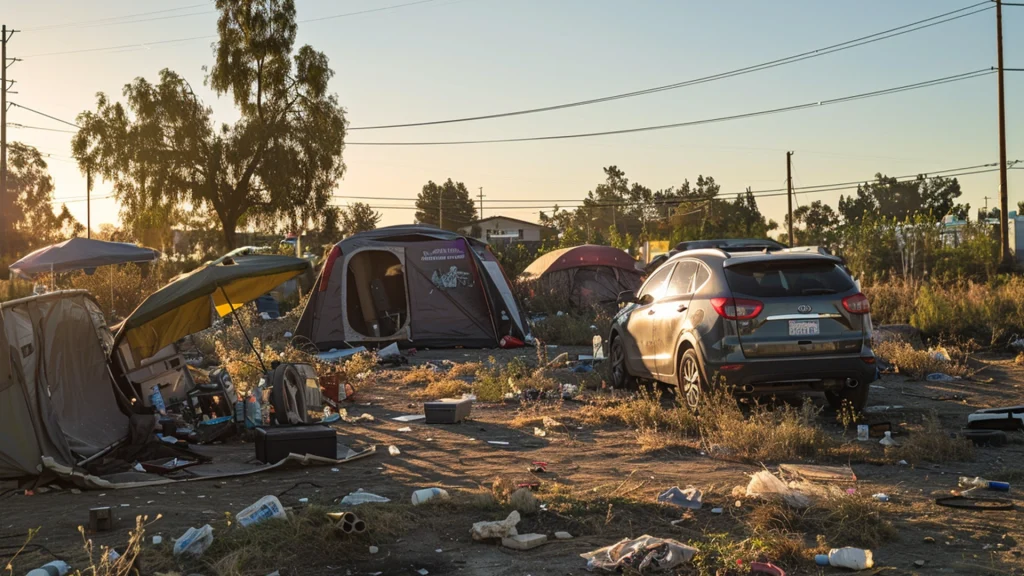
column 23, row 126
column 113, row 19
column 875, row 93
column 45, row 115
column 142, row 45
column 871, row 38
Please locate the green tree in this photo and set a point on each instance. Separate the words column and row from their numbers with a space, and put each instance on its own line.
column 31, row 217
column 815, row 224
column 280, row 159
column 889, row 198
column 447, row 205
column 358, row 217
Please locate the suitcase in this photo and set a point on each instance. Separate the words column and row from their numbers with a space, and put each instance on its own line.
column 447, row 411
column 274, row 444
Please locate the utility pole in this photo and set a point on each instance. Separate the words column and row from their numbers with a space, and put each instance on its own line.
column 1004, row 232
column 88, row 202
column 789, row 192
column 440, row 208
column 3, row 136
column 481, row 202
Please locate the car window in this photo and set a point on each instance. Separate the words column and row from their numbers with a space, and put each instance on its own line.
column 781, row 278
column 703, row 274
column 656, row 285
column 682, row 279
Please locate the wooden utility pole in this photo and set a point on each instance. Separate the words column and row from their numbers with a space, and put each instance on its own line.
column 1004, row 232
column 3, row 137
column 88, row 202
column 481, row 202
column 440, row 208
column 789, row 193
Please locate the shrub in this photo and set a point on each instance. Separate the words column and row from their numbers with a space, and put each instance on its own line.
column 919, row 363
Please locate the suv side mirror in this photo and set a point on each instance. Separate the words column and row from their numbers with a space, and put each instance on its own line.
column 627, row 297
column 645, row 299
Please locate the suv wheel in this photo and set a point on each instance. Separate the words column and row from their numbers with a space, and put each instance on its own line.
column 857, row 397
column 691, row 379
column 619, row 372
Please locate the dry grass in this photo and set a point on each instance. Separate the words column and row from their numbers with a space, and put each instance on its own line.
column 464, row 369
column 918, row 364
column 932, row 444
column 414, row 376
column 442, row 388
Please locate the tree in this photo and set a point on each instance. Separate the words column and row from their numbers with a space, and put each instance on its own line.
column 280, row 159
column 33, row 223
column 893, row 199
column 816, row 224
column 449, row 201
column 358, row 217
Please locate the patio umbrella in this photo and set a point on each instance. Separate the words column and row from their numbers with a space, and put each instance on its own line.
column 192, row 302
column 80, row 254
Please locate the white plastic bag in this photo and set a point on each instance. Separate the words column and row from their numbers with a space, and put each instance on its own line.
column 765, row 485
column 263, row 509
column 194, row 541
column 497, row 529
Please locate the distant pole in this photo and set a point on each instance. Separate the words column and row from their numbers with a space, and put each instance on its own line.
column 88, row 202
column 3, row 136
column 481, row 202
column 789, row 193
column 440, row 208
column 1004, row 232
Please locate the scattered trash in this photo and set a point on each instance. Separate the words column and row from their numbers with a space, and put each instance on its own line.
column 138, row 468
column 689, row 498
column 975, row 503
column 539, row 432
column 447, row 410
column 405, row 429
column 101, row 519
column 815, row 473
column 583, row 368
column 524, row 541
column 717, row 510
column 348, row 522
column 881, row 497
column 929, row 540
column 569, row 391
column 496, row 529
column 195, row 541
column 940, row 377
column 498, row 442
column 388, row 351
column 851, row 558
column 538, row 467
column 374, row 549
column 263, row 509
column 863, row 433
column 939, row 354
column 55, row 568
column 919, row 563
column 881, row 409
column 393, row 450
column 524, row 501
column 423, row 572
column 359, row 497
column 563, row 536
column 878, row 429
column 409, row 417
column 979, row 482
column 902, row 463
column 888, row 440
column 765, row 485
column 765, row 569
column 303, row 500
column 335, row 355
column 641, row 554
column 421, row 496
column 510, row 342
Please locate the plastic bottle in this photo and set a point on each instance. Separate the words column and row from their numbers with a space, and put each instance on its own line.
column 979, row 482
column 55, row 568
column 157, row 400
column 263, row 509
column 852, row 558
column 421, row 496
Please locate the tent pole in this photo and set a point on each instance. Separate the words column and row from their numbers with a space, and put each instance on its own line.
column 242, row 327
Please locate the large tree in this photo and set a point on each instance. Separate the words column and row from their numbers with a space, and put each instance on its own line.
column 447, row 205
column 815, row 224
column 358, row 217
column 890, row 198
column 280, row 160
column 33, row 222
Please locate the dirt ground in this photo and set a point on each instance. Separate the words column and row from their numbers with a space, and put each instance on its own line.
column 603, row 459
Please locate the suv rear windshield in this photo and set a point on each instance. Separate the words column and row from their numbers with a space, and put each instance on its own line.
column 780, row 279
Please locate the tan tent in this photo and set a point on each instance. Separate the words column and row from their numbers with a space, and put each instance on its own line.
column 56, row 394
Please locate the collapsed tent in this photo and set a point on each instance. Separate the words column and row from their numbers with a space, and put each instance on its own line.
column 56, row 395
column 416, row 284
column 588, row 275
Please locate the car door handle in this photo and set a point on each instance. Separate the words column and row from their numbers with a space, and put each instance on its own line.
column 682, row 308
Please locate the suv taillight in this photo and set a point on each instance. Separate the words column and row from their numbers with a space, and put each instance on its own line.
column 737, row 308
column 857, row 304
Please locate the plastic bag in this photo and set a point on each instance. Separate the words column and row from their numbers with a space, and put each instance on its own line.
column 497, row 529
column 644, row 554
column 194, row 541
column 765, row 485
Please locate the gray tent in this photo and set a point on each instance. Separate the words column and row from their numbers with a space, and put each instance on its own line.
column 415, row 284
column 80, row 254
column 56, row 393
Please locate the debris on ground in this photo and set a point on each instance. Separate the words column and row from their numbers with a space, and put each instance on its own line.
column 393, row 450
column 888, row 440
column 194, row 541
column 348, row 522
column 524, row 501
column 563, row 536
column 496, row 529
column 360, row 497
column 524, row 541
column 688, row 498
column 765, row 569
column 941, row 377
column 421, row 496
column 817, row 473
column 765, row 485
column 263, row 509
column 850, row 558
column 643, row 554
column 979, row 482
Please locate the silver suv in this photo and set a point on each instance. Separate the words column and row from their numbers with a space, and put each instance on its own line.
column 766, row 321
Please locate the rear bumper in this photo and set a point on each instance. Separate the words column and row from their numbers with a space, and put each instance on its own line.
column 765, row 375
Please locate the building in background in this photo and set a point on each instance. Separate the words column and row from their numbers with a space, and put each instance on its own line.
column 505, row 230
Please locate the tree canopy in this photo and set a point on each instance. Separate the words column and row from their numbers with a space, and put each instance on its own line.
column 358, row 217
column 280, row 160
column 890, row 198
column 447, row 205
column 31, row 217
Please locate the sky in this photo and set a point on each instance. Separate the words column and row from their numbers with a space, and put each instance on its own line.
column 439, row 59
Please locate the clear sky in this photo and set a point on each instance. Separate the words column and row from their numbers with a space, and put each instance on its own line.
column 450, row 58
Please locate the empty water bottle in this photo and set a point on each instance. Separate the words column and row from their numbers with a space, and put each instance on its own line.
column 851, row 558
column 979, row 482
column 55, row 568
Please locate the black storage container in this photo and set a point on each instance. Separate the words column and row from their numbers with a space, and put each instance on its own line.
column 447, row 411
column 275, row 444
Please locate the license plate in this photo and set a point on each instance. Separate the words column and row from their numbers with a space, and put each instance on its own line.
column 803, row 328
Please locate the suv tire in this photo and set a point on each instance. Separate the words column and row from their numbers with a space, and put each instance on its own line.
column 618, row 371
column 857, row 397
column 692, row 384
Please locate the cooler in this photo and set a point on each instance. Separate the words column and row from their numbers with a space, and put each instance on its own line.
column 274, row 444
column 447, row 411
